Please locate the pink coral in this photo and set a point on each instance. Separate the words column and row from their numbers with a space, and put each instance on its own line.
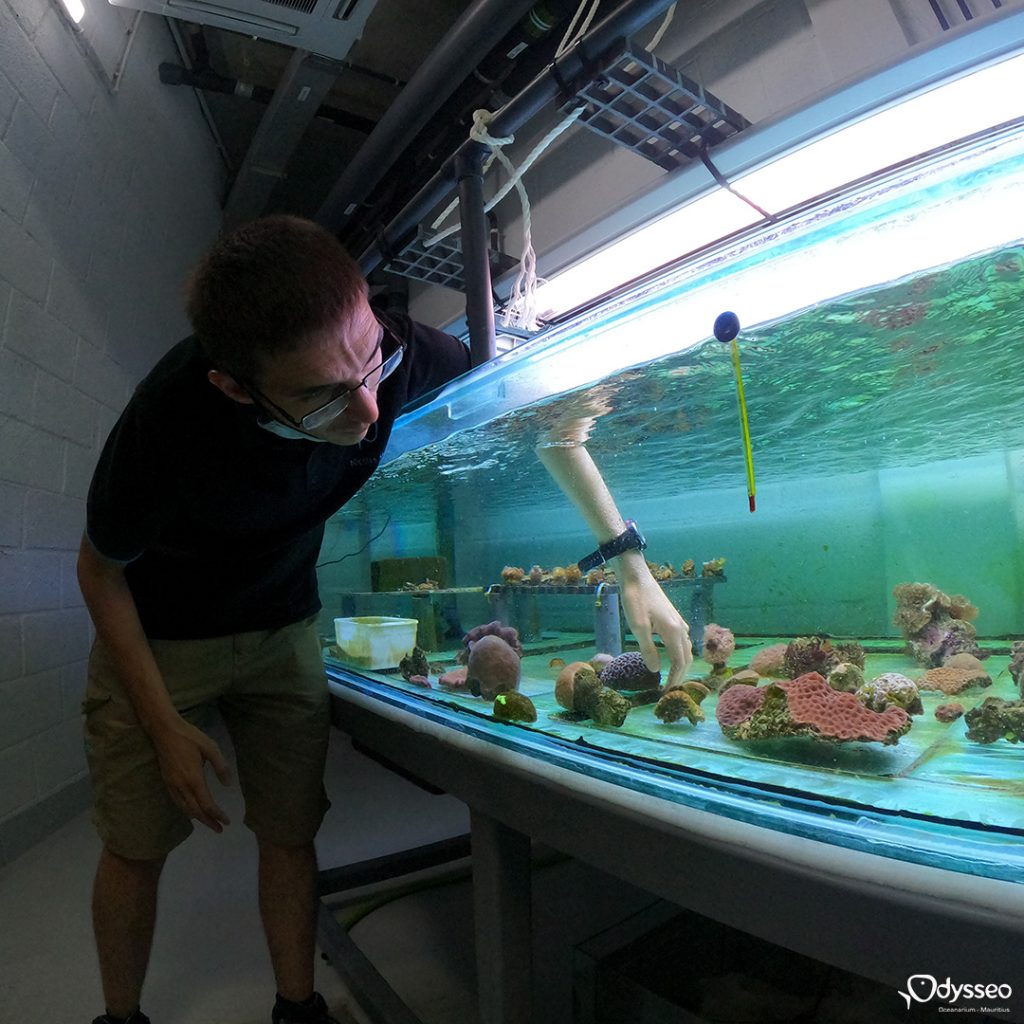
column 769, row 661
column 454, row 680
column 719, row 643
column 738, row 703
column 836, row 715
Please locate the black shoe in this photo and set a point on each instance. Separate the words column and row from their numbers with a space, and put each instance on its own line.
column 138, row 1017
column 312, row 1011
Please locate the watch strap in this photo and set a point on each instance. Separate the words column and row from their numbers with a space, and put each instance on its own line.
column 629, row 539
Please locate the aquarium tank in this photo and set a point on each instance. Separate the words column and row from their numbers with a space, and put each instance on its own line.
column 857, row 641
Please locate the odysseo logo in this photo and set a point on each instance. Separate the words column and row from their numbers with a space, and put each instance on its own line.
column 922, row 988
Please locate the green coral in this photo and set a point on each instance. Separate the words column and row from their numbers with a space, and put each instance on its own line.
column 610, row 708
column 677, row 704
column 996, row 719
column 771, row 720
column 414, row 664
column 514, row 706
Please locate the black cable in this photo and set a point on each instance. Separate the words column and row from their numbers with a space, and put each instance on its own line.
column 352, row 554
column 724, row 182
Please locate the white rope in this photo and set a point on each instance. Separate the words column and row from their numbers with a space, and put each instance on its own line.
column 572, row 34
column 669, row 15
column 521, row 308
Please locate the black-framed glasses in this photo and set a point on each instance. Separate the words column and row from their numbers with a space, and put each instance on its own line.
column 337, row 404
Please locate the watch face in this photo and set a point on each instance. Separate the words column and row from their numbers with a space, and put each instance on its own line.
column 636, row 537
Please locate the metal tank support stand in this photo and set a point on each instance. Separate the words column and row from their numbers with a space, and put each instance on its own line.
column 501, row 901
column 607, row 624
column 375, row 997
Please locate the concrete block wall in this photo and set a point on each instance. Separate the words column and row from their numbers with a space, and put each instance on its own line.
column 105, row 201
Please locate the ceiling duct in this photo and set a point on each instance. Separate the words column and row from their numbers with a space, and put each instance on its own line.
column 324, row 27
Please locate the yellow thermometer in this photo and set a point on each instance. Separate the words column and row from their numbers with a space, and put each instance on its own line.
column 727, row 327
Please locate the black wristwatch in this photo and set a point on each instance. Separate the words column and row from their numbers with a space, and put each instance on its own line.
column 630, row 538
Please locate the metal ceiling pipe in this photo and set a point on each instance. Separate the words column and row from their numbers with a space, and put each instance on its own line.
column 210, row 81
column 627, row 19
column 476, row 259
column 467, row 43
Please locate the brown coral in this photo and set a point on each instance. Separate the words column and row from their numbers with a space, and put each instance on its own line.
column 914, row 605
column 961, row 608
column 834, row 715
column 769, row 661
column 968, row 661
column 678, row 704
column 565, row 684
column 513, row 574
column 809, row 654
column 493, row 668
column 745, row 677
column 949, row 712
column 952, row 680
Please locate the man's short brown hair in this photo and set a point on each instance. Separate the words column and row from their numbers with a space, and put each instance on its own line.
column 267, row 287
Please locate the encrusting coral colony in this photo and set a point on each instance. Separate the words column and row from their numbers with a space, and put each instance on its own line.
column 812, row 686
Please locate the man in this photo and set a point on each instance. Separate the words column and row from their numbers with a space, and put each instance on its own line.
column 205, row 518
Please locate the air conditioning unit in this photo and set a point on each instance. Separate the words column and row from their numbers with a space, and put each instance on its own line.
column 326, row 27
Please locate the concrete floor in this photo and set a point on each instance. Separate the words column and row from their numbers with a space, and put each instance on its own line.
column 209, row 965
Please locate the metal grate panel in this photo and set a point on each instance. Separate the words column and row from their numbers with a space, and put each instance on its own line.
column 442, row 263
column 306, row 6
column 646, row 105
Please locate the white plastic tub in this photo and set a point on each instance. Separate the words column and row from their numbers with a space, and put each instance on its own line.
column 375, row 641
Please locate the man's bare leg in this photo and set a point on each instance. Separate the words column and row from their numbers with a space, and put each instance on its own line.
column 124, row 916
column 288, row 907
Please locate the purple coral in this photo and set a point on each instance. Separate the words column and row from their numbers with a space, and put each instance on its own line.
column 1017, row 664
column 934, row 624
column 719, row 643
column 628, row 672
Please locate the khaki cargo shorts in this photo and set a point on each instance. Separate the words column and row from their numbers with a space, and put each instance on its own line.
column 271, row 691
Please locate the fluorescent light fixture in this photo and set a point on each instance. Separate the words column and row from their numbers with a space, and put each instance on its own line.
column 938, row 117
column 75, row 10
column 854, row 258
column 688, row 229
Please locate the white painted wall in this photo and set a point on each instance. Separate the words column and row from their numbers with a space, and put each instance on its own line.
column 105, row 201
